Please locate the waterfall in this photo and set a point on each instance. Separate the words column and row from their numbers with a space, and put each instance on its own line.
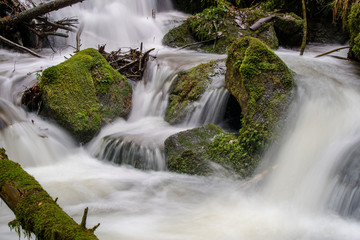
column 118, row 24
column 312, row 193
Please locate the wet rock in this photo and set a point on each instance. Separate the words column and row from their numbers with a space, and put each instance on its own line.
column 82, row 91
column 207, row 150
column 187, row 151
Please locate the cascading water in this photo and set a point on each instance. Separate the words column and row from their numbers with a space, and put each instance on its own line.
column 312, row 193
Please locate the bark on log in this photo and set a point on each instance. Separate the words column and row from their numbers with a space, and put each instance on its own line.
column 32, row 13
column 261, row 22
column 303, row 44
column 34, row 209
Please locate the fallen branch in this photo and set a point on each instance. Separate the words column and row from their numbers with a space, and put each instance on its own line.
column 34, row 209
column 261, row 21
column 335, row 50
column 35, row 12
column 15, row 45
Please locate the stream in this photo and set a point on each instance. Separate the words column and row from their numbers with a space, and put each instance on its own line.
column 312, row 193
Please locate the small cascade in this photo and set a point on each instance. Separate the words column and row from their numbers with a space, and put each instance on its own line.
column 139, row 141
column 136, row 143
column 118, row 24
column 345, row 194
column 212, row 105
column 124, row 150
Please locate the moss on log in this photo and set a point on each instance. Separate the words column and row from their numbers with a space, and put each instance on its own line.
column 35, row 210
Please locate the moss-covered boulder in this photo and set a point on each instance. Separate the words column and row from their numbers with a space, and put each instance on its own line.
column 217, row 27
column 262, row 84
column 207, row 150
column 82, row 91
column 187, row 151
column 289, row 29
column 188, row 87
column 354, row 28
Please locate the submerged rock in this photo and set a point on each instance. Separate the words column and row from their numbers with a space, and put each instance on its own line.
column 188, row 87
column 82, row 91
column 354, row 28
column 217, row 27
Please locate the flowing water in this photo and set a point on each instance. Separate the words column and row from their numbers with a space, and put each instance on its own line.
column 312, row 193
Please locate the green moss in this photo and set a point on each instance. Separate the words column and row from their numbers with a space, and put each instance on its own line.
column 262, row 84
column 186, row 151
column 81, row 91
column 207, row 24
column 179, row 36
column 187, row 88
column 36, row 211
column 354, row 29
column 219, row 26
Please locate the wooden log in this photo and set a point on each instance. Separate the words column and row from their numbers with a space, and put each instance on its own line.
column 35, row 12
column 34, row 209
column 261, row 22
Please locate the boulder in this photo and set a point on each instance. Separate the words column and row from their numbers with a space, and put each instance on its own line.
column 188, row 87
column 262, row 84
column 289, row 29
column 205, row 151
column 214, row 29
column 354, row 29
column 82, row 91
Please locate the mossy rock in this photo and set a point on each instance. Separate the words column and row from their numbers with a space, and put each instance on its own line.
column 187, row 151
column 187, row 88
column 82, row 91
column 205, row 150
column 289, row 29
column 262, row 84
column 218, row 27
column 354, row 29
column 196, row 6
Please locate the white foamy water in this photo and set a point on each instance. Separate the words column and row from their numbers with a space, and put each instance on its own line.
column 296, row 201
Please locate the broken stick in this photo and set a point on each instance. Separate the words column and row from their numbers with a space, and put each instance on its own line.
column 15, row 45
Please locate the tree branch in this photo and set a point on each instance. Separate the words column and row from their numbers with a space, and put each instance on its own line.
column 15, row 45
column 36, row 12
